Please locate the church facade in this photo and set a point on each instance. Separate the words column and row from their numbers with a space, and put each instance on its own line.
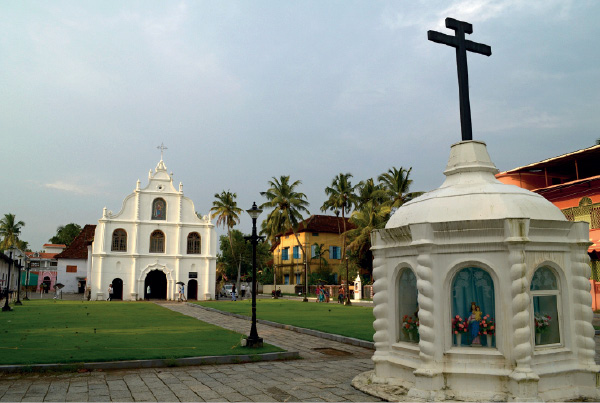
column 156, row 243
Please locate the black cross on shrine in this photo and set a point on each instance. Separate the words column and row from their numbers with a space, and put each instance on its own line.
column 462, row 45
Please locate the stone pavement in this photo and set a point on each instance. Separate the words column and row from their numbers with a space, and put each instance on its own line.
column 317, row 377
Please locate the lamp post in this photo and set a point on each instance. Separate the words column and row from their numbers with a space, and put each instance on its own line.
column 19, row 267
column 28, row 263
column 6, row 308
column 253, row 340
column 347, row 301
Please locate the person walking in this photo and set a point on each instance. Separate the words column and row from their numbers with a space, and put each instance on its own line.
column 233, row 293
column 341, row 294
column 182, row 293
column 110, row 292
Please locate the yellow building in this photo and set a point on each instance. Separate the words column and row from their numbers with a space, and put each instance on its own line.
column 324, row 231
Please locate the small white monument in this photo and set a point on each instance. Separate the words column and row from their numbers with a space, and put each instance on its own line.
column 482, row 293
column 357, row 288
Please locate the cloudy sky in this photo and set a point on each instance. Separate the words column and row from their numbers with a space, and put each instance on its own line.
column 241, row 91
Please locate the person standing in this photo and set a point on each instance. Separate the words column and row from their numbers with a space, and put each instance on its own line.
column 110, row 292
column 148, row 293
column 233, row 293
column 243, row 290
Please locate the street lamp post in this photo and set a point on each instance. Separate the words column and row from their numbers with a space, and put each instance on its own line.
column 347, row 301
column 253, row 340
column 6, row 307
column 28, row 263
column 19, row 267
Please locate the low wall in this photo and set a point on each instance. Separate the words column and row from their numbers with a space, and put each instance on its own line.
column 285, row 289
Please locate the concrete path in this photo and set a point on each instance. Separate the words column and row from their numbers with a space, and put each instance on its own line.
column 319, row 376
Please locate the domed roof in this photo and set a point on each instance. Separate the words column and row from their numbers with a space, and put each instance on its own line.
column 472, row 192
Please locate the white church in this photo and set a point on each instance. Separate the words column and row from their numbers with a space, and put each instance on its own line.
column 155, row 243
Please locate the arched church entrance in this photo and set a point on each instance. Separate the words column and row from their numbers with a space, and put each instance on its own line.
column 192, row 292
column 117, row 284
column 157, row 280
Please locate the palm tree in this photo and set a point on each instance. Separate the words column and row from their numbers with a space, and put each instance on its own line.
column 288, row 206
column 9, row 231
column 341, row 198
column 373, row 213
column 397, row 185
column 225, row 207
column 320, row 251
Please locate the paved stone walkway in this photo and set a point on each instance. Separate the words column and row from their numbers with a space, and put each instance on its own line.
column 317, row 377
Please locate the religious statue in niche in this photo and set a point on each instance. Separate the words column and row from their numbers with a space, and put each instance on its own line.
column 473, row 322
column 158, row 209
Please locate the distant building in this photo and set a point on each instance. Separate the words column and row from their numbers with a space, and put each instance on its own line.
column 318, row 232
column 43, row 264
column 572, row 183
column 156, row 241
column 72, row 263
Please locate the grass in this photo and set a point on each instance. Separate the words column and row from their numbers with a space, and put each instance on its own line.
column 42, row 332
column 351, row 321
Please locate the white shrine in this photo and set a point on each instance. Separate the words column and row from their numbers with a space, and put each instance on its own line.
column 156, row 241
column 482, row 293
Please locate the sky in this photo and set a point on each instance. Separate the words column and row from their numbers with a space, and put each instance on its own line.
column 243, row 91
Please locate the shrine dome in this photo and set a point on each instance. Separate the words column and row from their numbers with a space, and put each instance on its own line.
column 472, row 192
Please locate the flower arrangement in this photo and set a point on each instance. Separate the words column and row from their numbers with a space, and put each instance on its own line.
column 542, row 322
column 459, row 325
column 487, row 326
column 410, row 324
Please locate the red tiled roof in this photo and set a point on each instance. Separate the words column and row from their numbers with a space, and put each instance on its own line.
column 54, row 245
column 321, row 224
column 41, row 255
column 78, row 248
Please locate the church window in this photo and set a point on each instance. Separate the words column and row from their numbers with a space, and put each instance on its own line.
column 408, row 307
column 193, row 243
column 159, row 209
column 119, row 240
column 473, row 306
column 545, row 298
column 285, row 253
column 296, row 252
column 157, row 242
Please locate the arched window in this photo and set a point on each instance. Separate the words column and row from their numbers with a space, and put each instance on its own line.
column 473, row 305
column 157, row 242
column 408, row 307
column 544, row 297
column 193, row 243
column 119, row 240
column 159, row 209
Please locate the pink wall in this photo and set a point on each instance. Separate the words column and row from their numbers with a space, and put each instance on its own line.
column 51, row 274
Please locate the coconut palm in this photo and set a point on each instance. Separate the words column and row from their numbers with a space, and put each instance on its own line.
column 341, row 198
column 228, row 213
column 397, row 185
column 288, row 206
column 9, row 231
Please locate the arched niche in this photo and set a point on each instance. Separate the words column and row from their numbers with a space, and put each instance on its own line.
column 473, row 301
column 545, row 306
column 408, row 307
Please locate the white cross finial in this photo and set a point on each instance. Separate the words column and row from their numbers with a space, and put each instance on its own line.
column 162, row 148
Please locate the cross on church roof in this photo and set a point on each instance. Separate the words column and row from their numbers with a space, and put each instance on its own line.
column 162, row 148
column 462, row 45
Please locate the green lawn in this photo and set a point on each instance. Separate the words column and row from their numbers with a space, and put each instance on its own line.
column 351, row 321
column 42, row 332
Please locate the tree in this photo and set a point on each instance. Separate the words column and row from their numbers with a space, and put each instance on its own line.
column 229, row 264
column 228, row 213
column 65, row 234
column 288, row 206
column 10, row 231
column 373, row 213
column 341, row 198
column 397, row 185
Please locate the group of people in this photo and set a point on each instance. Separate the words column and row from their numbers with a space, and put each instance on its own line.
column 323, row 294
